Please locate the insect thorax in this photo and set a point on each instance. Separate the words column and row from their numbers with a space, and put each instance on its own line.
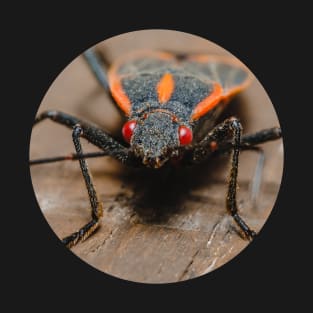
column 177, row 110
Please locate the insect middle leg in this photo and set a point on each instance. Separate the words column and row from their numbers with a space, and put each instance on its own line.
column 218, row 135
column 67, row 157
column 250, row 142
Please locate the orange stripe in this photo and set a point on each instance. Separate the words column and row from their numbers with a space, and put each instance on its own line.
column 208, row 103
column 114, row 78
column 165, row 87
column 118, row 93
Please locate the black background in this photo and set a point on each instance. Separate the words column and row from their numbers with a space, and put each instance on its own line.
column 269, row 274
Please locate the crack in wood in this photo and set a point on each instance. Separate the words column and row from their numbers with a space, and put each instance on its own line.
column 102, row 244
column 215, row 227
column 189, row 265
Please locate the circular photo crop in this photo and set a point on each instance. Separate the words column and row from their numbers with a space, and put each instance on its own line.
column 156, row 156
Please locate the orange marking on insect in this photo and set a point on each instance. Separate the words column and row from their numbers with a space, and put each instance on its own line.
column 70, row 157
column 213, row 146
column 208, row 103
column 118, row 93
column 237, row 89
column 174, row 118
column 165, row 87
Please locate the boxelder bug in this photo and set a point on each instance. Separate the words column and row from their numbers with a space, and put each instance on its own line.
column 172, row 103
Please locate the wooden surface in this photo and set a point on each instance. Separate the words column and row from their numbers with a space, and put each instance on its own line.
column 157, row 226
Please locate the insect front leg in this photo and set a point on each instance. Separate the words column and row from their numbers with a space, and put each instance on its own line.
column 250, row 142
column 218, row 135
column 96, row 206
column 102, row 140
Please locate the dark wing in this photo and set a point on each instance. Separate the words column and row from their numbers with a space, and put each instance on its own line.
column 198, row 82
column 228, row 72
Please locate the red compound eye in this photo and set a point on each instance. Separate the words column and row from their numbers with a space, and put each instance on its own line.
column 128, row 130
column 185, row 135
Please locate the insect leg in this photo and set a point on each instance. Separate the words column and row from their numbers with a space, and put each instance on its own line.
column 96, row 207
column 101, row 140
column 212, row 146
column 96, row 67
column 260, row 137
column 219, row 134
column 257, row 177
column 249, row 141
column 231, row 201
column 68, row 157
column 93, row 134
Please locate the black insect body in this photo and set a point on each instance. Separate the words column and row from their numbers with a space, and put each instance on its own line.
column 172, row 104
